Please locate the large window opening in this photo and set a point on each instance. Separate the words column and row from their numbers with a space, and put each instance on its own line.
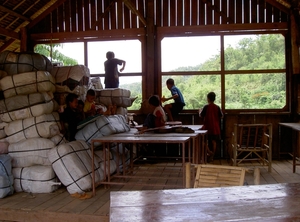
column 253, row 69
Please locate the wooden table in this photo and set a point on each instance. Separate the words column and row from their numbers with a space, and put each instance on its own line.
column 275, row 202
column 107, row 140
column 198, row 140
column 295, row 141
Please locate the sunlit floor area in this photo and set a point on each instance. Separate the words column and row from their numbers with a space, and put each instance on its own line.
column 61, row 206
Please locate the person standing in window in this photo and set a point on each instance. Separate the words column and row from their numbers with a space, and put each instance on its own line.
column 212, row 115
column 111, row 70
column 173, row 109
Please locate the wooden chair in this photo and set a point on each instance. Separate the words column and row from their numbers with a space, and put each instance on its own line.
column 215, row 175
column 252, row 142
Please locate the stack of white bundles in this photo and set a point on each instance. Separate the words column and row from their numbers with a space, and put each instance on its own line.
column 116, row 96
column 26, row 83
column 103, row 126
column 6, row 176
column 29, row 152
column 4, row 147
column 44, row 126
column 59, row 139
column 2, row 131
column 71, row 79
column 96, row 83
column 35, row 179
column 26, row 106
column 19, row 62
column 122, row 111
column 100, row 156
column 72, row 165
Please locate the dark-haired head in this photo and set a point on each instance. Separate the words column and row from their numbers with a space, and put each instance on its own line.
column 211, row 96
column 170, row 82
column 110, row 55
column 91, row 92
column 70, row 98
column 154, row 100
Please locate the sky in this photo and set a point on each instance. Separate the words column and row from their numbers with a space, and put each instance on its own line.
column 176, row 52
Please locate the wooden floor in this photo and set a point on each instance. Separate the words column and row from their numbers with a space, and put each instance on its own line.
column 61, row 206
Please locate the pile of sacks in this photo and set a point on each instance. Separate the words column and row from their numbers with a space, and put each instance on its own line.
column 35, row 157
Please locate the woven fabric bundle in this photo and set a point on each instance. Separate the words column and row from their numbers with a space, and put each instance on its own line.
column 44, row 126
column 33, row 151
column 72, row 165
column 35, row 179
column 19, row 62
column 26, row 83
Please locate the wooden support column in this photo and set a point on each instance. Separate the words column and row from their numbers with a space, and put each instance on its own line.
column 150, row 77
column 24, row 39
column 26, row 45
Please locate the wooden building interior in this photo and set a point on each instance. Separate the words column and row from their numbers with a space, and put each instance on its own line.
column 26, row 23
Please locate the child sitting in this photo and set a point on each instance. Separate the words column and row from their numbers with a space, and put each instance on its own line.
column 70, row 117
column 158, row 117
column 89, row 108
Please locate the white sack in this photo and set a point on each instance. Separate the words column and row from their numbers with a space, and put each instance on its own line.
column 119, row 150
column 72, row 163
column 103, row 126
column 26, row 83
column 100, row 156
column 4, row 147
column 45, row 126
column 63, row 73
column 24, row 101
column 59, row 139
column 6, row 176
column 71, row 79
column 19, row 62
column 115, row 96
column 30, row 152
column 2, row 132
column 47, row 106
column 122, row 111
column 35, row 179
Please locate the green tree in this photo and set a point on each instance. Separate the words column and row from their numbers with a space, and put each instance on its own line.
column 56, row 55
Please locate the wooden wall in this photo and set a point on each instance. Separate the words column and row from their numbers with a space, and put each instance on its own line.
column 78, row 20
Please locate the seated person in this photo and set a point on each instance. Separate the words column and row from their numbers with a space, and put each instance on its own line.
column 89, row 108
column 158, row 117
column 172, row 109
column 70, row 117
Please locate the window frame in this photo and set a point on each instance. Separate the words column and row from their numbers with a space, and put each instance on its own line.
column 224, row 72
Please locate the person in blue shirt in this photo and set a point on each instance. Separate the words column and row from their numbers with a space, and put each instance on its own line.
column 176, row 107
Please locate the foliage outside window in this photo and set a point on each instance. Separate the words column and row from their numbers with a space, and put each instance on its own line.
column 254, row 72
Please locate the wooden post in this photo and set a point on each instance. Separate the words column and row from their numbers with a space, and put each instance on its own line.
column 188, row 175
column 24, row 39
column 256, row 175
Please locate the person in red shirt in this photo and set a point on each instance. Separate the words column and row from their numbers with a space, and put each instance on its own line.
column 157, row 117
column 212, row 115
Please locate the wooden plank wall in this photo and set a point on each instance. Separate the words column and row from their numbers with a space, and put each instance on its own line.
column 85, row 15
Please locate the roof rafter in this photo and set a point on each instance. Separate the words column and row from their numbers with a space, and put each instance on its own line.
column 9, row 33
column 14, row 13
column 47, row 9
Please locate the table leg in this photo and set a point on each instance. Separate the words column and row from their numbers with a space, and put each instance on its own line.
column 93, row 171
column 183, row 164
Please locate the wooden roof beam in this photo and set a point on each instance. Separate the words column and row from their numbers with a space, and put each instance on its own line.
column 103, row 14
column 285, row 8
column 8, row 33
column 11, row 12
column 48, row 9
column 129, row 5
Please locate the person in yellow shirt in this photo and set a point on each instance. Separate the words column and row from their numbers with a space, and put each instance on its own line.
column 89, row 108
